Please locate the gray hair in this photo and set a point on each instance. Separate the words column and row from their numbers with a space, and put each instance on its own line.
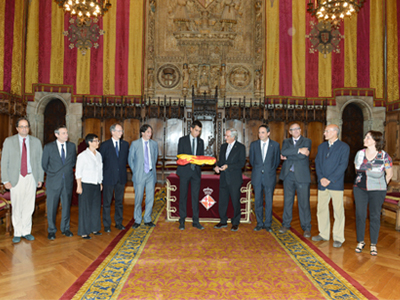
column 112, row 127
column 57, row 130
column 234, row 133
column 337, row 129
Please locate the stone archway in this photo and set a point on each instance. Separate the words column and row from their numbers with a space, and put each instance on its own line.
column 73, row 118
column 374, row 117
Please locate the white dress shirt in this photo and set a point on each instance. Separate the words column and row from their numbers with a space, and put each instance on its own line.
column 59, row 148
column 265, row 149
column 28, row 158
column 89, row 167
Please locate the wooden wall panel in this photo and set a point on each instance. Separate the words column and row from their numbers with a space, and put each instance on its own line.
column 158, row 134
column 106, row 130
column 315, row 132
column 173, row 131
column 392, row 135
column 92, row 126
column 131, row 130
column 277, row 130
column 251, row 133
column 4, row 121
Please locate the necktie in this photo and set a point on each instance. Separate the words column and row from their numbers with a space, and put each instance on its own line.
column 24, row 160
column 263, row 151
column 292, row 167
column 146, row 158
column 228, row 151
column 116, row 149
column 193, row 152
column 62, row 154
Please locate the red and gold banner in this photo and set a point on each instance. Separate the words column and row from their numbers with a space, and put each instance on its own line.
column 114, row 68
column 294, row 68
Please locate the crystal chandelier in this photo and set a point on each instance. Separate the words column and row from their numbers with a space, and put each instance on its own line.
column 85, row 9
column 334, row 10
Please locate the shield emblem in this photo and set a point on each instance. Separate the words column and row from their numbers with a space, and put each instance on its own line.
column 205, row 3
column 325, row 36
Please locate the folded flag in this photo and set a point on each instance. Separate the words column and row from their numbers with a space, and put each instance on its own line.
column 184, row 159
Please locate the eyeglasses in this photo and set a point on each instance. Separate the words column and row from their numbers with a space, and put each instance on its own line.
column 293, row 129
column 23, row 127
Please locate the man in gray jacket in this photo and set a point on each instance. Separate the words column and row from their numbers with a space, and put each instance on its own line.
column 22, row 173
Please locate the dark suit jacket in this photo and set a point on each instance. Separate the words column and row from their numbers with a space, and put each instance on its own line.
column 54, row 168
column 269, row 165
column 301, row 162
column 114, row 167
column 184, row 147
column 236, row 161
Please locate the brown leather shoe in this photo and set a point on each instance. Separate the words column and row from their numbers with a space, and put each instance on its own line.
column 235, row 228
column 221, row 225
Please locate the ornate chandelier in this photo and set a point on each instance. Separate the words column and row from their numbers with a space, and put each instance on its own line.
column 334, row 10
column 85, row 9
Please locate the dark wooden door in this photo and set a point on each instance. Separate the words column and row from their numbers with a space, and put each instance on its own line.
column 353, row 135
column 54, row 116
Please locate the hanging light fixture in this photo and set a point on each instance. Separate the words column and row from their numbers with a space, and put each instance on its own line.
column 334, row 10
column 85, row 9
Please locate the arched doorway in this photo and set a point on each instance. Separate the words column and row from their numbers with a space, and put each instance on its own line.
column 54, row 116
column 353, row 135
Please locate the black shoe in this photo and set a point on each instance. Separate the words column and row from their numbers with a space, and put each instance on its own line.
column 51, row 236
column 268, row 229
column 97, row 233
column 258, row 228
column 198, row 226
column 86, row 237
column 150, row 224
column 107, row 229
column 221, row 225
column 120, row 226
column 67, row 233
column 181, row 225
column 235, row 228
column 136, row 225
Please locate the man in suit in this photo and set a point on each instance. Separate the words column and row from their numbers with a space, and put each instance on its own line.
column 190, row 144
column 143, row 156
column 295, row 174
column 330, row 165
column 22, row 173
column 232, row 158
column 114, row 153
column 265, row 159
column 59, row 158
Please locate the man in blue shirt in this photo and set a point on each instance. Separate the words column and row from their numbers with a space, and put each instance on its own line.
column 330, row 164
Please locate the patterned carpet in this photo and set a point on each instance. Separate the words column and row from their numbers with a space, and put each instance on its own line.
column 166, row 263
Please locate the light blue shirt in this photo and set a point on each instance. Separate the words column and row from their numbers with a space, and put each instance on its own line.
column 21, row 142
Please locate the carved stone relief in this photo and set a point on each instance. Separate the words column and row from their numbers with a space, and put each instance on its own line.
column 239, row 77
column 209, row 43
column 168, row 76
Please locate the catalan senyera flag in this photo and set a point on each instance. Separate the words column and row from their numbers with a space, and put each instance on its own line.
column 292, row 69
column 184, row 159
column 114, row 68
